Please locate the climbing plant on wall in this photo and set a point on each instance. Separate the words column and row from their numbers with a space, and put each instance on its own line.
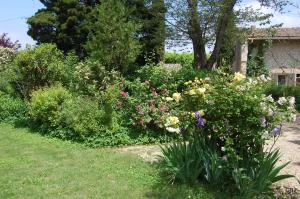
column 256, row 65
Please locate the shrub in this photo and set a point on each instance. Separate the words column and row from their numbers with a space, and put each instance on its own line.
column 91, row 77
column 12, row 109
column 37, row 67
column 46, row 105
column 161, row 77
column 6, row 57
column 82, row 117
column 284, row 91
column 233, row 117
column 179, row 58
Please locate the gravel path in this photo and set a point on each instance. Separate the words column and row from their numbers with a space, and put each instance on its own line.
column 289, row 144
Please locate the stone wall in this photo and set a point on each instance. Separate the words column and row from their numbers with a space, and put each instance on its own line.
column 283, row 54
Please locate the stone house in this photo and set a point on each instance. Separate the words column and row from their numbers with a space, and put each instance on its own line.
column 282, row 57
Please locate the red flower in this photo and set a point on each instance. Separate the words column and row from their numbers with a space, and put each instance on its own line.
column 123, row 94
column 141, row 121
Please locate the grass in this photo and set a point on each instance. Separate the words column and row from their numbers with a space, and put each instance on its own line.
column 32, row 166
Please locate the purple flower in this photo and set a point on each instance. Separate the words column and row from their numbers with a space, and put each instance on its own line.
column 199, row 119
column 276, row 131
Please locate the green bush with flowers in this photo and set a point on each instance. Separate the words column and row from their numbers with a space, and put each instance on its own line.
column 227, row 120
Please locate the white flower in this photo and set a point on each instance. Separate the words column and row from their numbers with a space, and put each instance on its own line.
column 206, row 79
column 240, row 88
column 210, row 102
column 223, row 149
column 265, row 134
column 270, row 98
column 173, row 130
column 224, row 158
column 270, row 112
column 293, row 117
column 263, row 122
column 282, row 100
column 263, row 106
column 263, row 78
column 292, row 101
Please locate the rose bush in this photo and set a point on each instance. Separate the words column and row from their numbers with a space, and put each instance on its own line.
column 232, row 117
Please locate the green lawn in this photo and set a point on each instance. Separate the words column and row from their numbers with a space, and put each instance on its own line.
column 32, row 166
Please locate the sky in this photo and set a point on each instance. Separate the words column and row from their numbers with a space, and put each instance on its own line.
column 13, row 14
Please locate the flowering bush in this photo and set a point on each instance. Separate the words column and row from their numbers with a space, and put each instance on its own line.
column 6, row 56
column 145, row 104
column 232, row 116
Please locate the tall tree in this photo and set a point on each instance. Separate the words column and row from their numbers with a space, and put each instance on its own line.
column 112, row 39
column 61, row 22
column 208, row 23
column 152, row 34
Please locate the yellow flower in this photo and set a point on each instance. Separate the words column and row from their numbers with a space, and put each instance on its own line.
column 169, row 99
column 239, row 77
column 201, row 90
column 176, row 97
column 201, row 112
column 171, row 121
column 192, row 92
column 206, row 86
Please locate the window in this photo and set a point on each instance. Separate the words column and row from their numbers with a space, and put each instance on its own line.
column 281, row 80
column 298, row 79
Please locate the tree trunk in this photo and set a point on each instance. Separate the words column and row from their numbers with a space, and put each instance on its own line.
column 196, row 35
column 223, row 22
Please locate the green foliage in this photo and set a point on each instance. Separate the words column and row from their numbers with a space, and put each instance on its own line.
column 152, row 33
column 62, row 23
column 232, row 118
column 257, row 181
column 278, row 91
column 256, row 65
column 46, row 105
column 179, row 58
column 82, row 117
column 90, row 77
column 159, row 76
column 181, row 162
column 108, row 100
column 12, row 109
column 35, row 68
column 112, row 39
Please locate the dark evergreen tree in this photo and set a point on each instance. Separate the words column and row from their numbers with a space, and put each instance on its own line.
column 61, row 22
column 151, row 14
